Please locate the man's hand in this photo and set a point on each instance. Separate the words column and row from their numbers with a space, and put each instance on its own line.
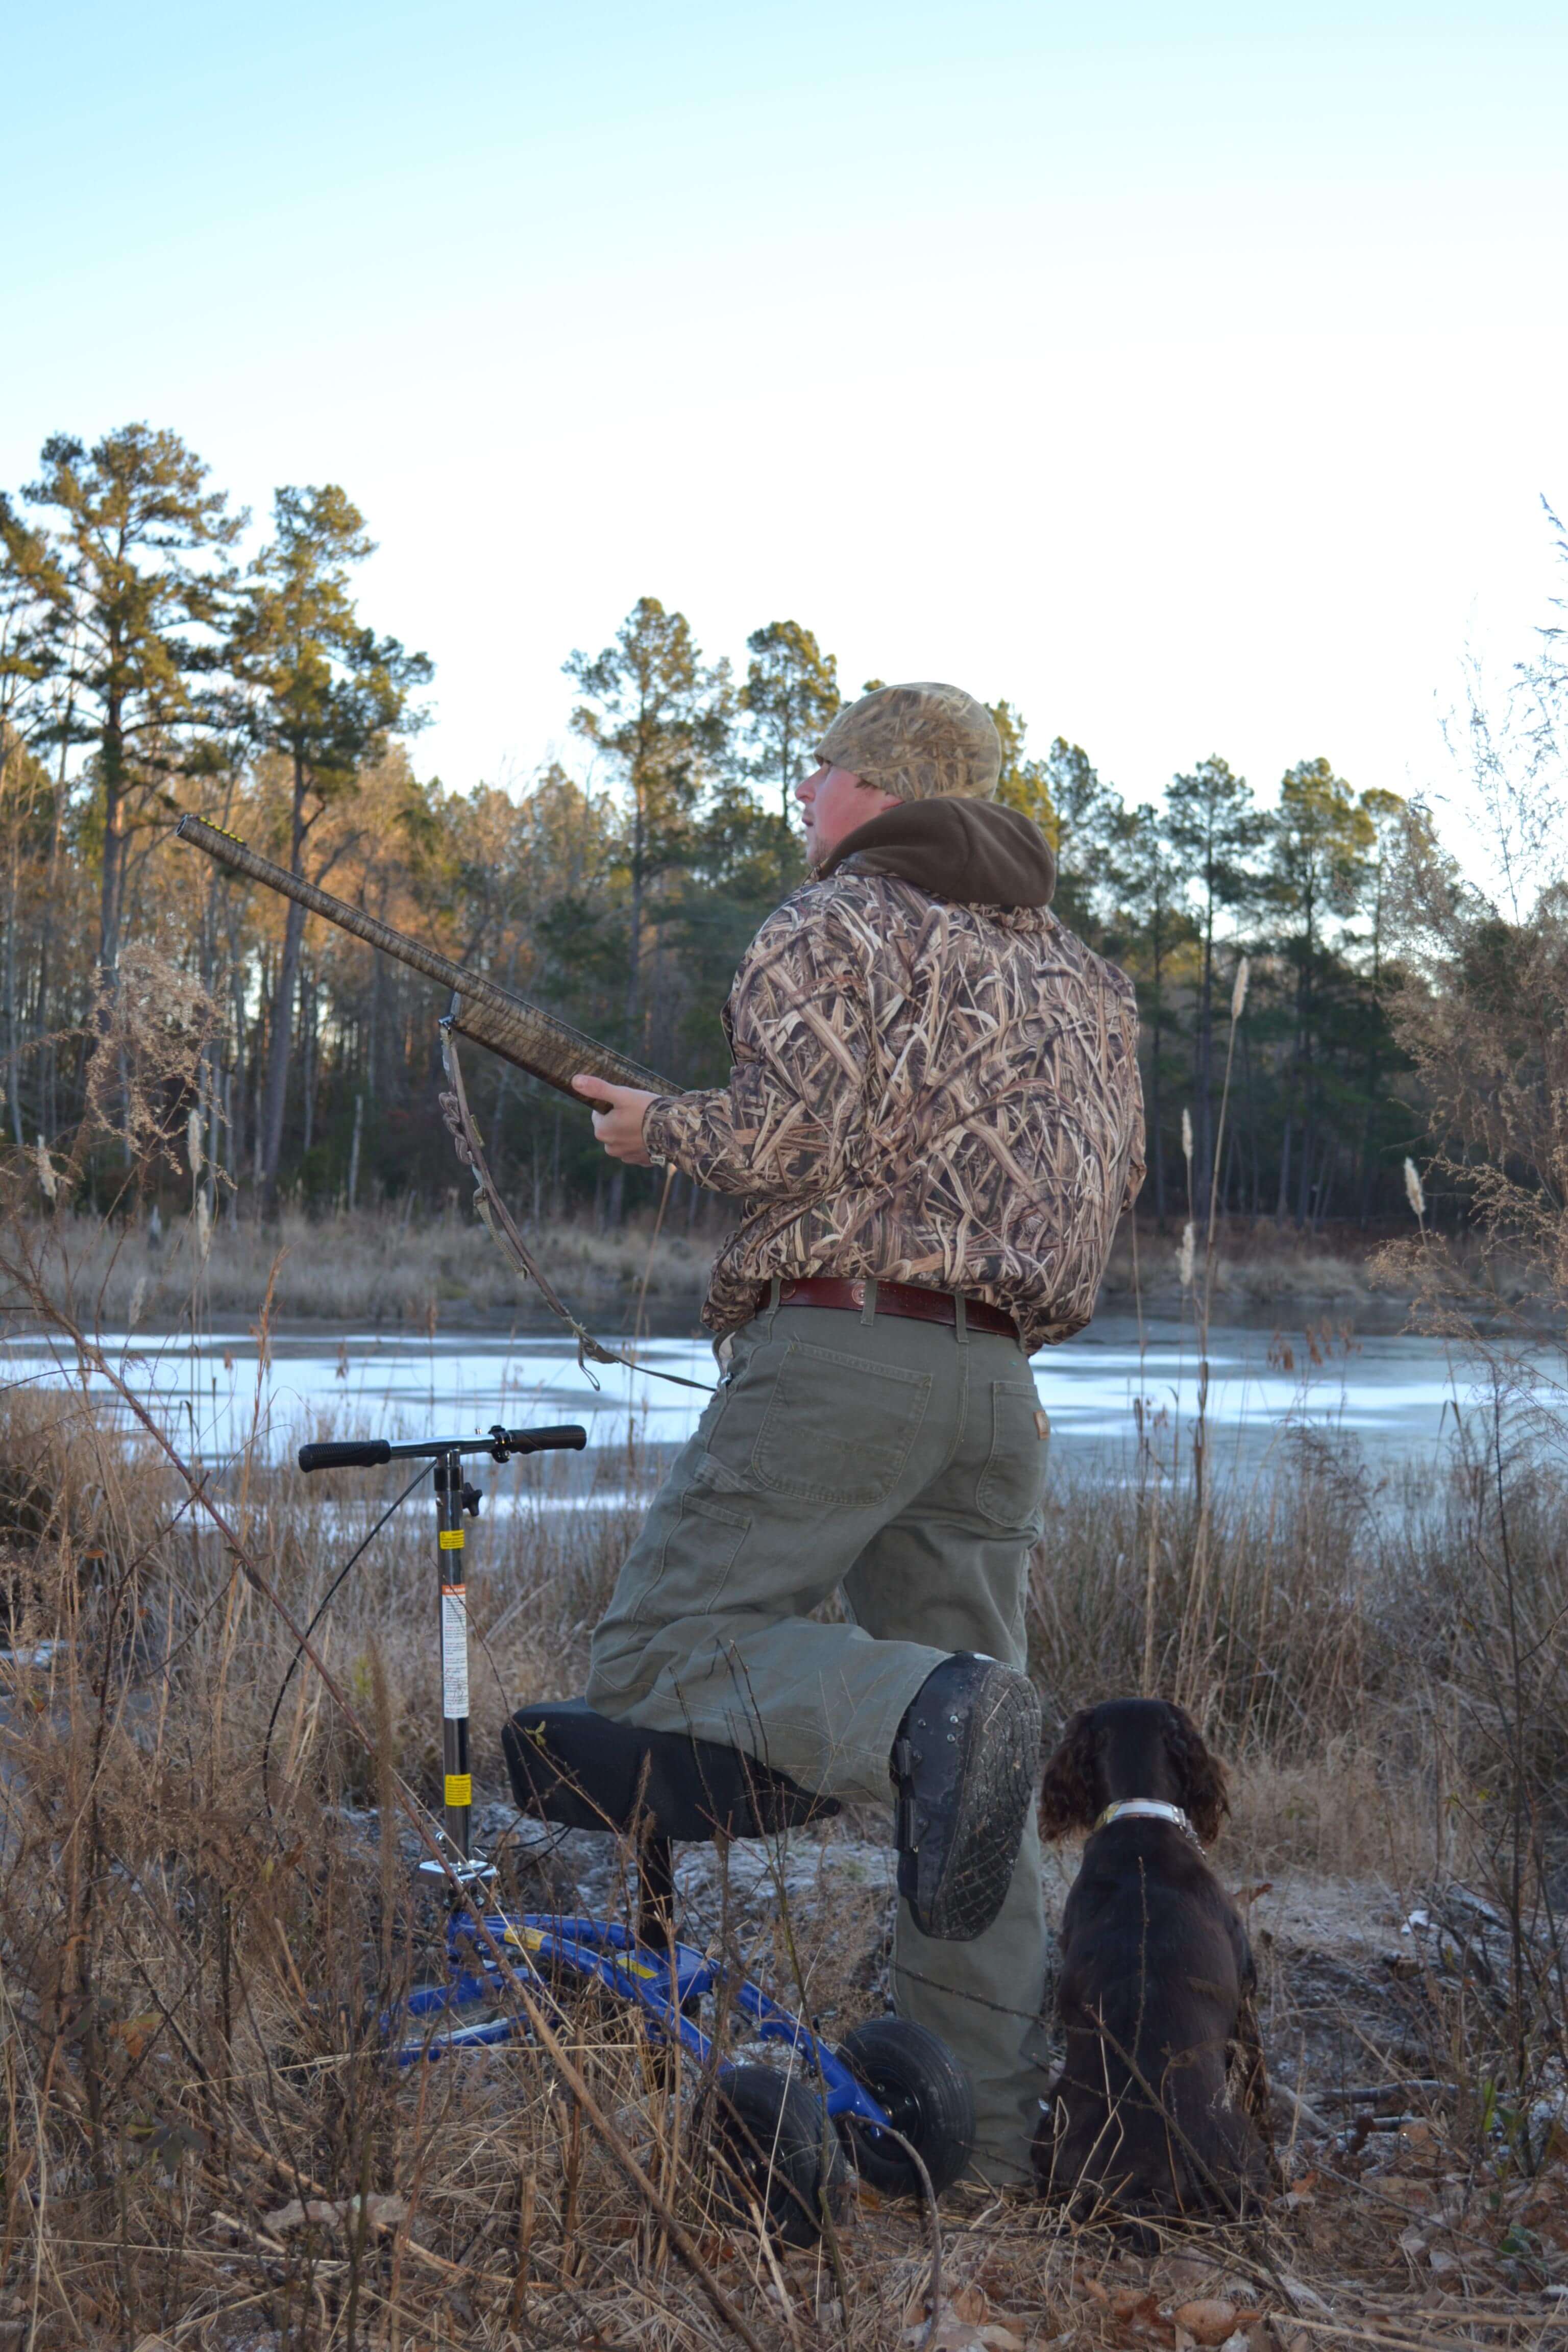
column 619, row 1125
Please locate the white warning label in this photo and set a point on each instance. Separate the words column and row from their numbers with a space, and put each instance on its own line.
column 454, row 1650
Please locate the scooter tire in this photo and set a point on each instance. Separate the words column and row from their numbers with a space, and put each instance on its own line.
column 928, row 2102
column 776, row 2154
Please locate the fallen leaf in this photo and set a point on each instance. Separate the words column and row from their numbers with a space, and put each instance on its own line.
column 294, row 2215
column 1133, row 2303
column 1308, row 2296
column 1411, row 2244
column 1208, row 2321
column 959, row 2325
column 1417, row 2195
column 382, row 2213
column 135, row 2032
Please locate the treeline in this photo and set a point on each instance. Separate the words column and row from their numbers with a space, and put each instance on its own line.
column 145, row 670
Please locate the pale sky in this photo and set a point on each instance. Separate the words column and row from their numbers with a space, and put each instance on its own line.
column 1190, row 378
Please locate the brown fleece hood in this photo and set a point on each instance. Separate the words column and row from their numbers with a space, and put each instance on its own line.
column 976, row 852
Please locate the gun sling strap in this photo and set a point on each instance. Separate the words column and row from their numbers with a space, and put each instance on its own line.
column 498, row 1222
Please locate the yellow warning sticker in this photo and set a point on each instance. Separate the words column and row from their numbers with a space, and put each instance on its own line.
column 527, row 1940
column 459, row 1788
column 451, row 1538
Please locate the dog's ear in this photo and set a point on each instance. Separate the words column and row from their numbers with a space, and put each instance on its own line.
column 1200, row 1774
column 1068, row 1799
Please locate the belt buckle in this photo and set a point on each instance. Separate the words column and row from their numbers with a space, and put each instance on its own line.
column 857, row 1293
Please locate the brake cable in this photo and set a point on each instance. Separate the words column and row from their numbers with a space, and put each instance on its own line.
column 353, row 1560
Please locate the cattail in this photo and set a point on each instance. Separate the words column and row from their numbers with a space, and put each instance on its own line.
column 137, row 1296
column 1187, row 1136
column 1184, row 1254
column 203, row 1223
column 193, row 1142
column 1239, row 994
column 47, row 1176
column 1415, row 1191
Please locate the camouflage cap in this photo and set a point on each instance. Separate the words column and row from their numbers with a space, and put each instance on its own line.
column 918, row 742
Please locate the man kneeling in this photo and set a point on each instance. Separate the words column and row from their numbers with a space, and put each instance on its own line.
column 933, row 1122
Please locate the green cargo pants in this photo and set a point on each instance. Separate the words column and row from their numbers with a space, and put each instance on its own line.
column 901, row 1463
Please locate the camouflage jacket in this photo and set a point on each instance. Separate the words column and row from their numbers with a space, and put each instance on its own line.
column 924, row 1091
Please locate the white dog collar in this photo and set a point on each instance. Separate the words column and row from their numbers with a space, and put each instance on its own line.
column 1148, row 1808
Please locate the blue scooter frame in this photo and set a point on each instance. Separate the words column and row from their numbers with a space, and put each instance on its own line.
column 665, row 1985
column 665, row 1982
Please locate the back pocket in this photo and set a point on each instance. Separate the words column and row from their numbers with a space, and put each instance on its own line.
column 837, row 1429
column 1013, row 1478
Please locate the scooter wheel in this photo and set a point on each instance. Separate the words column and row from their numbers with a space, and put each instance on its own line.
column 928, row 2102
column 777, row 2155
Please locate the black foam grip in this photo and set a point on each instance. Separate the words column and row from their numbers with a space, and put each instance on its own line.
column 346, row 1453
column 572, row 1438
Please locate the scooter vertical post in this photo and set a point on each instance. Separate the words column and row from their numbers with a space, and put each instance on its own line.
column 459, row 1783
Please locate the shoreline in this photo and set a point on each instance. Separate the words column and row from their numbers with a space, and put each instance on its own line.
column 372, row 1272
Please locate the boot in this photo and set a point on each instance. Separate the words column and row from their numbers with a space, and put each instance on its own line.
column 966, row 1765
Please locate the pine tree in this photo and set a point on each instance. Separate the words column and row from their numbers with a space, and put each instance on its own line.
column 1089, row 836
column 1023, row 784
column 324, row 692
column 1161, row 927
column 1386, row 813
column 790, row 694
column 662, row 720
column 1319, row 840
column 134, row 577
column 1215, row 830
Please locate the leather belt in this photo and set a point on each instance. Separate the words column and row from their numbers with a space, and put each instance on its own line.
column 895, row 1298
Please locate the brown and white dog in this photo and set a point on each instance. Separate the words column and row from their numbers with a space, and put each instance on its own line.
column 1161, row 2107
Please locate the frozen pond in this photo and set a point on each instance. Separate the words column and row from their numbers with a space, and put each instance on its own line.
column 1395, row 1396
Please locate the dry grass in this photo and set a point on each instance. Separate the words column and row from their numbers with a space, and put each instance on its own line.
column 1262, row 1269
column 378, row 1266
column 191, row 1977
column 374, row 1267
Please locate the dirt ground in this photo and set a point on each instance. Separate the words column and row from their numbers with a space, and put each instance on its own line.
column 1389, row 2232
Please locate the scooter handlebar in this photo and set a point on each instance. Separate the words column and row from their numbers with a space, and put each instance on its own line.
column 346, row 1453
column 369, row 1453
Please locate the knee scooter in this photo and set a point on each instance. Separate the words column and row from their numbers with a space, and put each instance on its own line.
column 898, row 2104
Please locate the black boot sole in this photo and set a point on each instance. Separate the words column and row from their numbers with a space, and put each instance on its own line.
column 955, row 1874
